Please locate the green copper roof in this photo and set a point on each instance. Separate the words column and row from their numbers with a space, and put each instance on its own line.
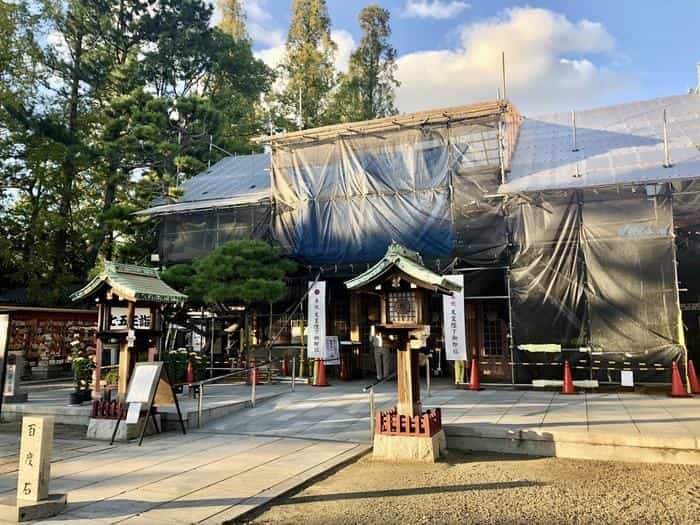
column 133, row 283
column 409, row 263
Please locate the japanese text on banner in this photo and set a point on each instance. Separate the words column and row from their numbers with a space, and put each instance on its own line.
column 316, row 331
column 453, row 322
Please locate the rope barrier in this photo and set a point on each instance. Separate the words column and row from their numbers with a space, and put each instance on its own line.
column 625, row 365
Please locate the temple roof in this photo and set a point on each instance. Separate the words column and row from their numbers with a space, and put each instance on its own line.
column 133, row 283
column 408, row 263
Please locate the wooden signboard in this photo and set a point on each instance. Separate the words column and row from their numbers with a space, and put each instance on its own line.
column 149, row 387
column 332, row 350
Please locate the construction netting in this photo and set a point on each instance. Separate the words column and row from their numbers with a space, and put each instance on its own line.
column 591, row 272
column 345, row 199
column 187, row 236
column 593, row 281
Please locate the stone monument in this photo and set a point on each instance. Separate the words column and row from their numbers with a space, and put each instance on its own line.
column 33, row 501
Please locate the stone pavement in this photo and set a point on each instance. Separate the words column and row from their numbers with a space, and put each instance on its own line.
column 217, row 473
column 241, row 461
column 615, row 426
column 51, row 399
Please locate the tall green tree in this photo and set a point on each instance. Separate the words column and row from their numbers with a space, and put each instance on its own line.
column 233, row 19
column 104, row 106
column 367, row 90
column 307, row 70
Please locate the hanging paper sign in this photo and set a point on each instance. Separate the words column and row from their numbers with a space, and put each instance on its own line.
column 118, row 318
column 453, row 322
column 131, row 338
column 133, row 412
column 316, row 332
column 332, row 350
column 197, row 341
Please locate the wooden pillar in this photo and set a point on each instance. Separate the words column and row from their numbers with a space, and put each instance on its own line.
column 97, row 372
column 355, row 306
column 408, row 383
column 125, row 355
column 153, row 349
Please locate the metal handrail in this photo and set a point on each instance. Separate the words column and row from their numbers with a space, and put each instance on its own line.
column 372, row 409
column 235, row 372
column 201, row 384
column 378, row 382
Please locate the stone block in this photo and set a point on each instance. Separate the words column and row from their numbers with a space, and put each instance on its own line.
column 101, row 429
column 424, row 449
column 14, row 510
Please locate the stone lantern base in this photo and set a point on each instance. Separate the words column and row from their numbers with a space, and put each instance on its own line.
column 404, row 438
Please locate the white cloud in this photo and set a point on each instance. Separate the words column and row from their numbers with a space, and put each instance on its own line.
column 272, row 56
column 265, row 36
column 433, row 8
column 549, row 66
column 256, row 10
column 346, row 45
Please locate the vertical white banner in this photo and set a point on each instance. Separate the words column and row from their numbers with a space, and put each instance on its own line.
column 316, row 331
column 453, row 322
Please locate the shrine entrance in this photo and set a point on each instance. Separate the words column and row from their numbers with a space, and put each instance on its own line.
column 487, row 321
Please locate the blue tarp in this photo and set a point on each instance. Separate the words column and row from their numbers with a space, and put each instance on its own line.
column 345, row 201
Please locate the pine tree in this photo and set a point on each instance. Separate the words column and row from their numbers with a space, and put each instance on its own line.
column 89, row 132
column 367, row 90
column 308, row 70
column 233, row 19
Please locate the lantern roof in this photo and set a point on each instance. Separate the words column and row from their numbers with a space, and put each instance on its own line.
column 132, row 283
column 406, row 263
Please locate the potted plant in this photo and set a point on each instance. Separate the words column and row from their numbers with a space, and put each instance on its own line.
column 199, row 364
column 111, row 382
column 82, row 366
column 176, row 361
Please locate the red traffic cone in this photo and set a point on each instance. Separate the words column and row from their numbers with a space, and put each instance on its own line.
column 321, row 378
column 677, row 387
column 568, row 387
column 283, row 367
column 474, row 381
column 693, row 379
column 189, row 373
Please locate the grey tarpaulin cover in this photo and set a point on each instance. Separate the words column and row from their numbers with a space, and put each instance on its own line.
column 591, row 269
column 595, row 270
column 345, row 199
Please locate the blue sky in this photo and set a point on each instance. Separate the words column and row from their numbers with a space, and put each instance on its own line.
column 560, row 55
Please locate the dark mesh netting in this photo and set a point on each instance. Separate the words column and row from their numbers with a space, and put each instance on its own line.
column 593, row 274
column 632, row 291
column 546, row 282
column 185, row 237
column 345, row 200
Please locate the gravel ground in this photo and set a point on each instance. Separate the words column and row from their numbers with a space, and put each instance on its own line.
column 488, row 488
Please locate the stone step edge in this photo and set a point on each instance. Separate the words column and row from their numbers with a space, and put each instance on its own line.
column 503, row 431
